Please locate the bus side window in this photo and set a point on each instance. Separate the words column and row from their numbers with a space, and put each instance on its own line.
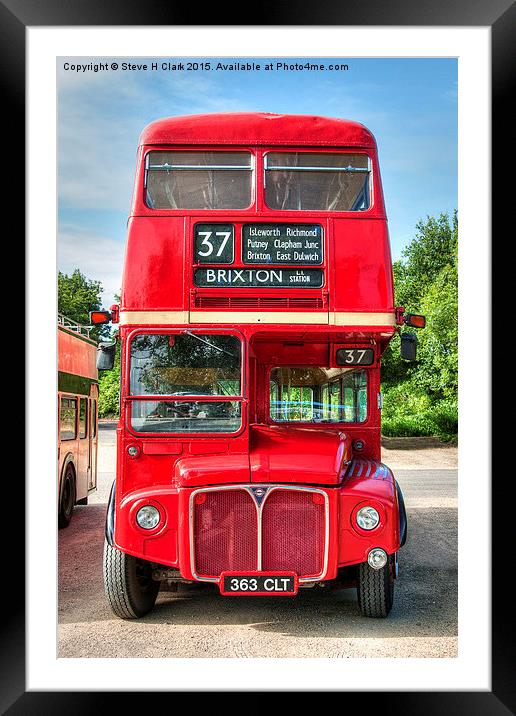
column 348, row 401
column 93, row 418
column 361, row 388
column 83, row 418
column 68, row 419
column 334, row 400
column 355, row 396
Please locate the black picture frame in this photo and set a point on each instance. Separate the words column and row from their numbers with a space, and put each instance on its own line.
column 500, row 15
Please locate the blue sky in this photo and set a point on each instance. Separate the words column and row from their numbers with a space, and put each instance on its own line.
column 410, row 105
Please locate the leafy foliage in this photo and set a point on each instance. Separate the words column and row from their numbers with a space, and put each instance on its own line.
column 109, row 389
column 76, row 296
column 421, row 398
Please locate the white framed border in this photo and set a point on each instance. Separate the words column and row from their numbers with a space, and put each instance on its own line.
column 471, row 669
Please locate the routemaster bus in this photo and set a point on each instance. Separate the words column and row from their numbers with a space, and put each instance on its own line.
column 77, row 398
column 256, row 303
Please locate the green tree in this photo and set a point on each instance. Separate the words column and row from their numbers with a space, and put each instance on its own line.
column 437, row 367
column 76, row 296
column 109, row 389
column 432, row 249
column 109, row 382
column 421, row 398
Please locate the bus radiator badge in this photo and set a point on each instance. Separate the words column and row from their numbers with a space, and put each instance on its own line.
column 259, row 494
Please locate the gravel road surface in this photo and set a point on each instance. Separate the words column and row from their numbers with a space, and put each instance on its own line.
column 197, row 622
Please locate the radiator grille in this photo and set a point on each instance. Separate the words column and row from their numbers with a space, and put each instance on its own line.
column 225, row 532
column 293, row 533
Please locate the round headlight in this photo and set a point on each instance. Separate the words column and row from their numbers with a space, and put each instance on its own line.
column 147, row 517
column 377, row 558
column 367, row 518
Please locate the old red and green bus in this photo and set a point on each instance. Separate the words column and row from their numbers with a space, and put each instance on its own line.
column 257, row 301
column 77, row 397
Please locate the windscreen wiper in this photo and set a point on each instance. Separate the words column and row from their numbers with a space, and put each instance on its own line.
column 221, row 350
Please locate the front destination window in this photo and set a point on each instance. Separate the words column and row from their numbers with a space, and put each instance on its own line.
column 190, row 365
column 198, row 180
column 318, row 395
column 317, row 182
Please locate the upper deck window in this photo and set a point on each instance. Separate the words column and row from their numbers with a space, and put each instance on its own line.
column 198, row 180
column 317, row 182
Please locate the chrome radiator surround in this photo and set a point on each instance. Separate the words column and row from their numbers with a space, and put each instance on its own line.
column 269, row 489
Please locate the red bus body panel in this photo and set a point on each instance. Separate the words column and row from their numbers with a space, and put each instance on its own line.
column 257, row 129
column 76, row 355
column 281, row 454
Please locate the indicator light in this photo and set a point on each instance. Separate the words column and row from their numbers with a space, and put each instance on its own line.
column 377, row 558
column 98, row 318
column 413, row 320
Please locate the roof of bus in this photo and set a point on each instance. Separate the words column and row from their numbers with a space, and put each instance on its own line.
column 257, row 128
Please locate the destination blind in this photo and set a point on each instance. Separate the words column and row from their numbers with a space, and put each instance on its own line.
column 298, row 245
column 253, row 278
column 282, row 244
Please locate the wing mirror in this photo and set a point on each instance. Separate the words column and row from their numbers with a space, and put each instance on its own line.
column 106, row 355
column 409, row 346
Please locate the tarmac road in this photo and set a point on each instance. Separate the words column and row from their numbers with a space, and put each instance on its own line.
column 198, row 622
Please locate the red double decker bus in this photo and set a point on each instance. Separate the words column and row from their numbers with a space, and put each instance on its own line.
column 257, row 301
column 77, row 422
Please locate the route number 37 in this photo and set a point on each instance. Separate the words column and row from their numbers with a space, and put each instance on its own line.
column 214, row 243
column 355, row 356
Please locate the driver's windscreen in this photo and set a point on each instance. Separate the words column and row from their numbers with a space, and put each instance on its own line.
column 177, row 366
column 185, row 364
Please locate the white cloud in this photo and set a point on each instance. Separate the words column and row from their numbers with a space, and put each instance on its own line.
column 100, row 117
column 99, row 258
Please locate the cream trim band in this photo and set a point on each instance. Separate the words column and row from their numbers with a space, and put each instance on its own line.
column 259, row 317
column 334, row 318
column 151, row 317
column 355, row 318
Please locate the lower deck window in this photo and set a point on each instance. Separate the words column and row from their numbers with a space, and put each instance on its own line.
column 83, row 418
column 185, row 417
column 68, row 419
column 318, row 395
column 93, row 418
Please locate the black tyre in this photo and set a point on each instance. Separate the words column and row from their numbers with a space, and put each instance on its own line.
column 376, row 589
column 67, row 498
column 128, row 583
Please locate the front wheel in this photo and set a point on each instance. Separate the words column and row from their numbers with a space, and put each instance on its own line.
column 128, row 583
column 376, row 589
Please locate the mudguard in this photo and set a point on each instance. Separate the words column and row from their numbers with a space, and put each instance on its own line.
column 403, row 516
column 110, row 517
